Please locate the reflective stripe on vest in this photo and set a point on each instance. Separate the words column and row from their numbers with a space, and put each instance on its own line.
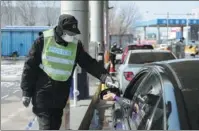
column 57, row 60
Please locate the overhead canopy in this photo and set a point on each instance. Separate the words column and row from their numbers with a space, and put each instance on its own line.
column 163, row 23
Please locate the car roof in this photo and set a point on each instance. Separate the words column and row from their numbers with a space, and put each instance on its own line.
column 187, row 72
column 148, row 50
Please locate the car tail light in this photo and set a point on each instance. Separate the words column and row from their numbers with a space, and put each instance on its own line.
column 128, row 76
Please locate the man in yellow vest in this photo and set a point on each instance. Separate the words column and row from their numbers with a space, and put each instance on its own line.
column 48, row 71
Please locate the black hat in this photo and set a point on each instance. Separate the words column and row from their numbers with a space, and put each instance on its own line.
column 69, row 23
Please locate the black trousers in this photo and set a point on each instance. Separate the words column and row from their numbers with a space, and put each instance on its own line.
column 49, row 119
column 112, row 58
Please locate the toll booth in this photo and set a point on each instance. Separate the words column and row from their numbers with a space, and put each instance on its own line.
column 182, row 23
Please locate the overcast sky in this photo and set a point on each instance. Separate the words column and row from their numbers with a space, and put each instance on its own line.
column 162, row 7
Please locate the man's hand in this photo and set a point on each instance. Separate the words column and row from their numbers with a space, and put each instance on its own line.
column 26, row 101
column 136, row 108
column 109, row 97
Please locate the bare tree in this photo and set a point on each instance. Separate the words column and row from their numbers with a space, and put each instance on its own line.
column 123, row 19
column 112, row 19
column 28, row 11
column 7, row 12
column 50, row 12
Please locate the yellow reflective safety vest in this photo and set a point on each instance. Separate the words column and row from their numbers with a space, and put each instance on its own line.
column 58, row 60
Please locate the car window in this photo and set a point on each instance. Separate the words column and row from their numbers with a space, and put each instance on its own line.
column 156, row 120
column 136, row 82
column 147, row 57
column 136, row 47
column 147, row 97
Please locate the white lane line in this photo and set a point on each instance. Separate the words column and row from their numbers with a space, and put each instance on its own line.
column 4, row 96
column 10, row 117
column 16, row 91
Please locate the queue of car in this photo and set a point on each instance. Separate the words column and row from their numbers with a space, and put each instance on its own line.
column 136, row 60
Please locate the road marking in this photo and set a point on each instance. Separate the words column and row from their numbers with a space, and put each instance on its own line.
column 4, row 96
column 16, row 91
column 12, row 115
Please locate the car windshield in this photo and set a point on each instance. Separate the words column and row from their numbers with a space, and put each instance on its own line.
column 148, row 57
column 136, row 47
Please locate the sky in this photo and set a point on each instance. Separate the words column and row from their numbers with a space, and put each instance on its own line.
column 162, row 7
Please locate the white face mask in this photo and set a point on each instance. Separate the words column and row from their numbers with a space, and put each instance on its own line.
column 68, row 38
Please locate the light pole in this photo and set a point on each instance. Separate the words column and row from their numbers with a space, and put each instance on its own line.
column 167, row 22
column 187, row 25
column 167, row 28
column 107, row 25
column 147, row 12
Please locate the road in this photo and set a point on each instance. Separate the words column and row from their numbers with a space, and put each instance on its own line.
column 13, row 115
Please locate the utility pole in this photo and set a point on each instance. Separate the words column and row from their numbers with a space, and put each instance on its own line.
column 167, row 28
column 167, row 17
column 147, row 12
column 187, row 22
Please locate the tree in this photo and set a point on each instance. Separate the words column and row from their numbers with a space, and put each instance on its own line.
column 28, row 11
column 123, row 19
column 50, row 12
column 7, row 12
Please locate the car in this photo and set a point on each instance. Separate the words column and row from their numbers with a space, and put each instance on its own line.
column 135, row 60
column 164, row 46
column 192, row 48
column 134, row 47
column 167, row 96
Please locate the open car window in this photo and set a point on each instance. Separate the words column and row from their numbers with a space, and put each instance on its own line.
column 148, row 97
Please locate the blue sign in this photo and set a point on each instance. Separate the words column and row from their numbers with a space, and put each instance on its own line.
column 178, row 21
column 173, row 22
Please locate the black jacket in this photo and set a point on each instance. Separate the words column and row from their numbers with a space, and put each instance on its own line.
column 45, row 92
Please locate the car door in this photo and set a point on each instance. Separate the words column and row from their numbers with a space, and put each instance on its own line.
column 148, row 97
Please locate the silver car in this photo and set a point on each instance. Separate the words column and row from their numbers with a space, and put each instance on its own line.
column 135, row 60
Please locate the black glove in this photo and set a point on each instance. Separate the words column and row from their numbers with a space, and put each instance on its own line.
column 124, row 103
column 26, row 101
column 109, row 82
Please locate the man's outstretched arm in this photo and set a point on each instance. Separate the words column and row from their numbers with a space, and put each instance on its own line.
column 90, row 65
